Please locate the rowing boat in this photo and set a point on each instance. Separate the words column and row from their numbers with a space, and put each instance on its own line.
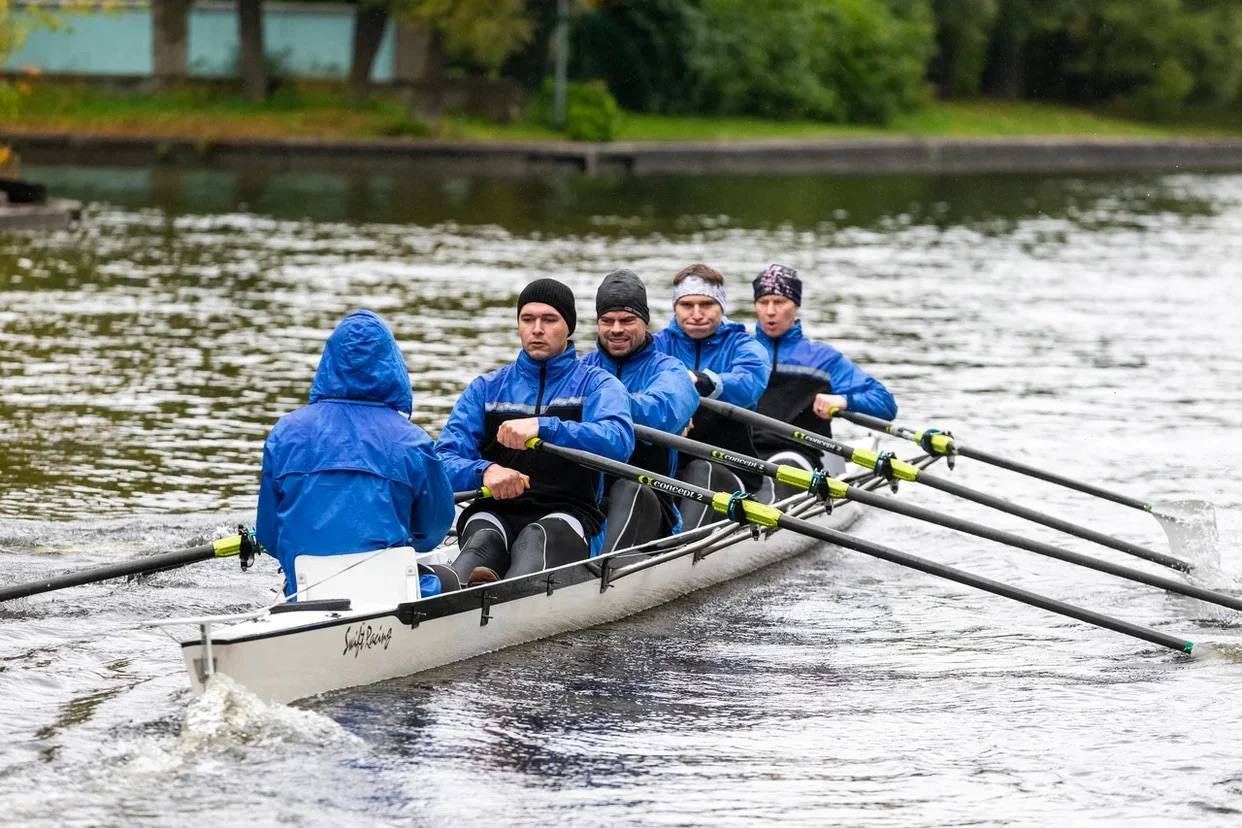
column 351, row 628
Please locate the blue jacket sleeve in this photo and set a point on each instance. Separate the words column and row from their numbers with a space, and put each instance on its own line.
column 863, row 392
column 458, row 446
column 606, row 428
column 668, row 402
column 265, row 520
column 433, row 509
column 747, row 376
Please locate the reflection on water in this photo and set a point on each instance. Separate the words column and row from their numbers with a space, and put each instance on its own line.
column 1084, row 322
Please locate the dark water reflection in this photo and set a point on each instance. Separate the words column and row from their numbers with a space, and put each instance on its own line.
column 1088, row 322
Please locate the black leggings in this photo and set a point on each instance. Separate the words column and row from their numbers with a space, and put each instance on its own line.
column 634, row 516
column 540, row 545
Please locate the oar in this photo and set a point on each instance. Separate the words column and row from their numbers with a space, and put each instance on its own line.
column 462, row 497
column 939, row 442
column 241, row 544
column 738, row 507
column 828, row 487
column 900, row 470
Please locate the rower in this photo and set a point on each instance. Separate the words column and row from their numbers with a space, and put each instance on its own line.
column 661, row 397
column 810, row 380
column 725, row 363
column 349, row 472
column 543, row 511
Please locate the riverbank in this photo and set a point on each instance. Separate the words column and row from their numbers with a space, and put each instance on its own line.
column 310, row 127
column 844, row 155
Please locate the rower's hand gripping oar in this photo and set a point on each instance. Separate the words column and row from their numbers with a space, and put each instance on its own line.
column 829, row 488
column 242, row 545
column 899, row 470
column 738, row 507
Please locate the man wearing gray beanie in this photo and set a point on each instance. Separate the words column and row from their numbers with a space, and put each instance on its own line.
column 662, row 397
column 543, row 510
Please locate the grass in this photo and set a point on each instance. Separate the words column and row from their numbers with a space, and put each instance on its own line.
column 323, row 111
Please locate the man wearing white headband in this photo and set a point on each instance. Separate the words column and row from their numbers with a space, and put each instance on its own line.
column 726, row 363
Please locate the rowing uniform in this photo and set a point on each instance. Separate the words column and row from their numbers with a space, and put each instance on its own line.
column 801, row 369
column 349, row 472
column 553, row 521
column 663, row 398
column 729, row 366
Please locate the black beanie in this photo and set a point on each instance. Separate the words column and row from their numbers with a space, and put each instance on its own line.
column 554, row 293
column 622, row 290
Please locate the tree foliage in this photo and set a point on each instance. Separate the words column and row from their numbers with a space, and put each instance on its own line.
column 836, row 60
column 482, row 32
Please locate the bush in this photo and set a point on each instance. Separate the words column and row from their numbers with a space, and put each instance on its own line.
column 834, row 60
column 591, row 112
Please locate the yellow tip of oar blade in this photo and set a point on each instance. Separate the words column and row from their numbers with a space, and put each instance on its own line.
column 227, row 547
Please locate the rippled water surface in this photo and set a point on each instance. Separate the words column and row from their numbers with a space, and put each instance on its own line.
column 1086, row 323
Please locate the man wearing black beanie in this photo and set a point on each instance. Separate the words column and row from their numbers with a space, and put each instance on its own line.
column 543, row 511
column 661, row 397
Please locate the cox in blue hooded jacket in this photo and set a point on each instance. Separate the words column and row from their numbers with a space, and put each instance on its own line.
column 349, row 472
column 578, row 406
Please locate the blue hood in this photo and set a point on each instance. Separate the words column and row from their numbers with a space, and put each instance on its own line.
column 361, row 361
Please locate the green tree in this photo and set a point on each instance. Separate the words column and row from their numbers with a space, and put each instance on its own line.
column 963, row 33
column 835, row 60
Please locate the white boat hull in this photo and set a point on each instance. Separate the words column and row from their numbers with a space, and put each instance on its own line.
column 291, row 655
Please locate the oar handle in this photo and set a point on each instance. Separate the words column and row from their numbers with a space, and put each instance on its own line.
column 222, row 548
column 761, row 514
column 475, row 494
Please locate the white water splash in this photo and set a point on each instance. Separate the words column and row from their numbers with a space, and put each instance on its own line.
column 228, row 715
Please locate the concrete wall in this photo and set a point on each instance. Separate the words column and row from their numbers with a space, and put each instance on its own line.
column 302, row 40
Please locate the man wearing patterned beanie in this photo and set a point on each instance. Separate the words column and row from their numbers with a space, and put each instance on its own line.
column 726, row 363
column 810, row 380
column 543, row 511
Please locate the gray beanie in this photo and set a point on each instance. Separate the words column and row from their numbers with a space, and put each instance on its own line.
column 622, row 290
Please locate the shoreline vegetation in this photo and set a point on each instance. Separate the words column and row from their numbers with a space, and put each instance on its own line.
column 325, row 113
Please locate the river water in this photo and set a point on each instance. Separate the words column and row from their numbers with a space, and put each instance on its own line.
column 1089, row 323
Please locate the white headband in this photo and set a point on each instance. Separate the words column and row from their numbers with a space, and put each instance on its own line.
column 698, row 286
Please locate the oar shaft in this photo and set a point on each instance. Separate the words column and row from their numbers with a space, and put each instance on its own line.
column 1053, row 522
column 764, row 515
column 849, row 452
column 987, row 585
column 152, row 563
column 955, row 446
column 699, row 449
column 1040, row 548
column 1051, row 477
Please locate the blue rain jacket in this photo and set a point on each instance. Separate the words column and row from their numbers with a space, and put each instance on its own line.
column 731, row 357
column 578, row 407
column 349, row 472
column 792, row 355
column 661, row 397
